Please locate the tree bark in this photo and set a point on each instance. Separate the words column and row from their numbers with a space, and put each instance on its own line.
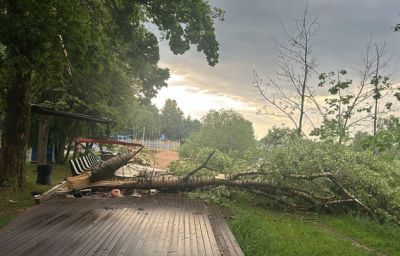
column 102, row 177
column 15, row 132
column 42, row 140
column 61, row 139
column 68, row 150
column 107, row 169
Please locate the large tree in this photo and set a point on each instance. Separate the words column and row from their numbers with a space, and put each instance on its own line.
column 78, row 38
column 172, row 120
column 225, row 130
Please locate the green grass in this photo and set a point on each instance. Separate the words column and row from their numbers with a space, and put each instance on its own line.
column 260, row 231
column 384, row 237
column 14, row 202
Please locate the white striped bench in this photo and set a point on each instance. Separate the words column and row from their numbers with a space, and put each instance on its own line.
column 83, row 163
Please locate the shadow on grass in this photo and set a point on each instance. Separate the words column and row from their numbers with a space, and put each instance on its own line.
column 12, row 202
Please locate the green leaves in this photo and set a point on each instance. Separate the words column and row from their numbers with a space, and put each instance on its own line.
column 225, row 130
column 184, row 23
column 372, row 180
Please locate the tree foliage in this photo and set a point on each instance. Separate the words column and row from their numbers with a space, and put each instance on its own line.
column 385, row 143
column 311, row 176
column 171, row 120
column 225, row 130
column 89, row 57
column 278, row 136
column 352, row 106
column 373, row 181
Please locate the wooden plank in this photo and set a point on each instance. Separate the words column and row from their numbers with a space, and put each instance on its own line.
column 79, row 237
column 39, row 236
column 223, row 233
column 163, row 235
column 56, row 242
column 204, row 233
column 199, row 235
column 147, row 234
column 124, row 234
column 171, row 247
column 28, row 223
column 76, row 236
column 186, row 221
column 156, row 232
column 93, row 239
column 147, row 212
column 133, row 234
column 169, row 224
column 99, row 243
column 208, row 233
column 180, row 250
column 119, row 231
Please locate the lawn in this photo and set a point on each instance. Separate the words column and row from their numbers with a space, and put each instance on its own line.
column 262, row 231
column 13, row 203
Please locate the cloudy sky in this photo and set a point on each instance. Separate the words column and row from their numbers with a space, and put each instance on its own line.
column 246, row 44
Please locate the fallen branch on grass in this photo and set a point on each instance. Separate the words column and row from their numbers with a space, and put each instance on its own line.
column 318, row 190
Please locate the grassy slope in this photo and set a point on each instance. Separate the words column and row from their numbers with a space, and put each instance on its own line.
column 264, row 232
column 23, row 199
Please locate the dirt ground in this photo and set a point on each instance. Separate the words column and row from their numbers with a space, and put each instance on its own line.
column 164, row 158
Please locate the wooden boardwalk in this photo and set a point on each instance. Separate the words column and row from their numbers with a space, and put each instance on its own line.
column 164, row 224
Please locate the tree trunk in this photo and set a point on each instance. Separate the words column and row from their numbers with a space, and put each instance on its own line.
column 376, row 90
column 42, row 140
column 76, row 150
column 295, row 194
column 107, row 169
column 16, row 129
column 61, row 139
column 68, row 150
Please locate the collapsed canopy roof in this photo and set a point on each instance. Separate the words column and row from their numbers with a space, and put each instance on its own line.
column 39, row 109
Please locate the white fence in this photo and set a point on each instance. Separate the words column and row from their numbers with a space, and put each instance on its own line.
column 160, row 144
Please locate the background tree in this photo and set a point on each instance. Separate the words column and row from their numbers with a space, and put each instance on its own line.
column 225, row 130
column 385, row 143
column 190, row 126
column 296, row 65
column 172, row 120
column 278, row 136
column 355, row 105
column 143, row 116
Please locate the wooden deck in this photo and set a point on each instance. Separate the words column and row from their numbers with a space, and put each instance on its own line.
column 164, row 224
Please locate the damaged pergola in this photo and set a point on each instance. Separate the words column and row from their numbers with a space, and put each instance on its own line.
column 43, row 113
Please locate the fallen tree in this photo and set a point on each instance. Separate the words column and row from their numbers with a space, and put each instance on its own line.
column 367, row 186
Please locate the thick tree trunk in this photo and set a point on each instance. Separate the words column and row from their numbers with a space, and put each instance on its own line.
column 107, row 169
column 16, row 130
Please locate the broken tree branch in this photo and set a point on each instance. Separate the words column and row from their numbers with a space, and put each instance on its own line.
column 202, row 166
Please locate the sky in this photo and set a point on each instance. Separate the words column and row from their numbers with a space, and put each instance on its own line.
column 247, row 42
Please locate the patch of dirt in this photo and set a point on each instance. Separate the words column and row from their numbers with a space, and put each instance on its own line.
column 165, row 158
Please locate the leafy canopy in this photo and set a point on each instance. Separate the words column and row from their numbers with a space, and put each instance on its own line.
column 225, row 130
